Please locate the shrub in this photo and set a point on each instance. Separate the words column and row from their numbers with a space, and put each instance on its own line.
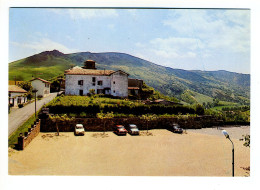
column 20, row 105
column 91, row 106
column 39, row 96
column 199, row 109
column 29, row 95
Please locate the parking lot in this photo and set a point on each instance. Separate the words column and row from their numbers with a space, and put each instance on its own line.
column 162, row 153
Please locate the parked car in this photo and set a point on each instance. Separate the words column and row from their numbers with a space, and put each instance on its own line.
column 120, row 130
column 79, row 129
column 176, row 128
column 133, row 130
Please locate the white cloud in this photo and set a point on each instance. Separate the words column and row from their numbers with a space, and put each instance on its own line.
column 228, row 30
column 174, row 47
column 43, row 45
column 86, row 13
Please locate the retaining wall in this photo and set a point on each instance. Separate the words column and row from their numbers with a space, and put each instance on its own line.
column 27, row 137
column 95, row 124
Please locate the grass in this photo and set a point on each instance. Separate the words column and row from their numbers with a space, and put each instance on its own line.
column 225, row 104
column 45, row 69
column 12, row 140
column 202, row 98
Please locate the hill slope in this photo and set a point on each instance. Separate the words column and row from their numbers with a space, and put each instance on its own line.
column 224, row 85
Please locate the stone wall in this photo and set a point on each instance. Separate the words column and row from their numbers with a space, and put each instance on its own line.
column 72, row 86
column 119, row 84
column 95, row 124
column 27, row 137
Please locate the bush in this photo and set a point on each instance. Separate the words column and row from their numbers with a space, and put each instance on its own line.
column 199, row 109
column 29, row 96
column 91, row 106
column 20, row 105
column 39, row 97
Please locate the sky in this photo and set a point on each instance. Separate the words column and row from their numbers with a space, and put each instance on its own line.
column 190, row 39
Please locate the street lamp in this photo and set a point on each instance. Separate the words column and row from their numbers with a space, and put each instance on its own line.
column 227, row 136
column 9, row 96
column 34, row 91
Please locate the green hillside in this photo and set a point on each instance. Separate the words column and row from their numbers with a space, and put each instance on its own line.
column 189, row 86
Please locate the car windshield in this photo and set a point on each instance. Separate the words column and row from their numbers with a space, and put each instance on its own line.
column 120, row 127
column 79, row 127
column 133, row 127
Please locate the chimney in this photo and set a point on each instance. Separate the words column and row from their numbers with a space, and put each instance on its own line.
column 89, row 64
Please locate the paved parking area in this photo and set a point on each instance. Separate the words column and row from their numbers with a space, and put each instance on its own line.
column 163, row 154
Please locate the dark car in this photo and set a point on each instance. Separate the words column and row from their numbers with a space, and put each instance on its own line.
column 176, row 128
column 120, row 130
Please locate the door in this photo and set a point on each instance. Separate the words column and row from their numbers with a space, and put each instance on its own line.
column 81, row 92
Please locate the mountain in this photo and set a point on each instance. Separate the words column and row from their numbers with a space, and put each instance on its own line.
column 192, row 85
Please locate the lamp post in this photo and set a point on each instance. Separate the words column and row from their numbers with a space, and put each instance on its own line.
column 9, row 96
column 227, row 136
column 34, row 91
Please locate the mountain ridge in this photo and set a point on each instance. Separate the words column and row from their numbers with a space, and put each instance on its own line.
column 225, row 85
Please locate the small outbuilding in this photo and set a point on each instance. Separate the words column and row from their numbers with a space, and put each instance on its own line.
column 42, row 86
column 17, row 95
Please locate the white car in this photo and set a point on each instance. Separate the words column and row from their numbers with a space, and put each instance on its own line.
column 133, row 130
column 79, row 130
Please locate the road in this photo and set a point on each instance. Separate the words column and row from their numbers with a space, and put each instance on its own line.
column 19, row 116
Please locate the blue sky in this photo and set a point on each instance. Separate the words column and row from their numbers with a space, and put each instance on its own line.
column 191, row 39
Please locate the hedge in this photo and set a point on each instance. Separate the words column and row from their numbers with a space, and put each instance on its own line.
column 124, row 109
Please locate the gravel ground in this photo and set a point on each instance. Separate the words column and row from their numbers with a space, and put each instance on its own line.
column 235, row 132
column 162, row 153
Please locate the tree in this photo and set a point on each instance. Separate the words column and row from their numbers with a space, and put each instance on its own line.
column 199, row 109
column 148, row 118
column 92, row 92
column 26, row 86
column 55, row 118
column 216, row 102
column 104, row 117
column 247, row 140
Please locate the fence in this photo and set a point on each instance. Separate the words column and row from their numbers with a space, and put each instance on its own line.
column 27, row 137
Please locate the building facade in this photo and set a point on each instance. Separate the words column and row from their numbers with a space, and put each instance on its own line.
column 80, row 80
column 42, row 86
column 17, row 95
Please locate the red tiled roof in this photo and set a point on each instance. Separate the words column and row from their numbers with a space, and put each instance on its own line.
column 81, row 71
column 14, row 88
column 133, row 88
column 45, row 81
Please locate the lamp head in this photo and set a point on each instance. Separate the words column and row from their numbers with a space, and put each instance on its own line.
column 225, row 133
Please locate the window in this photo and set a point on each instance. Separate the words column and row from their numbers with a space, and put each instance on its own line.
column 100, row 91
column 114, row 82
column 100, row 83
column 46, row 85
column 19, row 100
column 80, row 82
column 93, row 81
column 114, row 91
